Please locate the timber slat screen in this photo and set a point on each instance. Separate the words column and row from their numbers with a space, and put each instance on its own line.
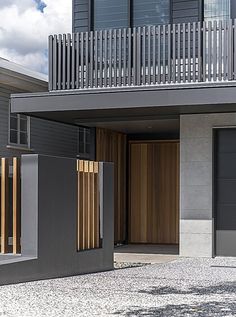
column 153, row 55
column 10, row 205
column 88, row 205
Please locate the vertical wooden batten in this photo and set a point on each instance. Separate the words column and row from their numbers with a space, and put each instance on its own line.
column 4, row 204
column 88, row 218
column 16, row 205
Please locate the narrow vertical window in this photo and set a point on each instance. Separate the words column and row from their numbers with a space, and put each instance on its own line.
column 84, row 143
column 19, row 126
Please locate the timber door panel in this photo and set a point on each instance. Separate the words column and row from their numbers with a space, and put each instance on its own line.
column 111, row 147
column 154, row 192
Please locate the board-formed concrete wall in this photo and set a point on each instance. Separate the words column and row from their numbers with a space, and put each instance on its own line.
column 196, row 181
column 49, row 221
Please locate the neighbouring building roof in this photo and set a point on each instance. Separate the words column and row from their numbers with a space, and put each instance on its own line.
column 19, row 78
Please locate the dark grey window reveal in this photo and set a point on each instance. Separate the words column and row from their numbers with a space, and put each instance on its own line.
column 217, row 10
column 110, row 14
column 19, row 130
column 84, row 142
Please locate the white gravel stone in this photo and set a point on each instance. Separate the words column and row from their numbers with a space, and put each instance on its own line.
column 185, row 287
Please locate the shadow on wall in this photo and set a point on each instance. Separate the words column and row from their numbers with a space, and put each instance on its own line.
column 211, row 308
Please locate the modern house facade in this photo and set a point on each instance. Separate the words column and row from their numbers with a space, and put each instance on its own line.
column 156, row 83
column 20, row 134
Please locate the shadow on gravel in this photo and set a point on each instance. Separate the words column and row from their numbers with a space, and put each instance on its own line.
column 228, row 287
column 209, row 309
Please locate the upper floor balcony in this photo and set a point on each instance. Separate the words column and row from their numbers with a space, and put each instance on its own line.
column 144, row 56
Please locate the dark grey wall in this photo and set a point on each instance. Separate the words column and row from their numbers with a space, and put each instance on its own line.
column 80, row 15
column 49, row 218
column 46, row 137
column 184, row 11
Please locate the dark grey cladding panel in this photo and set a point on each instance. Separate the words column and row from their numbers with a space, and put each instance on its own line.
column 225, row 179
column 184, row 11
column 80, row 16
column 46, row 137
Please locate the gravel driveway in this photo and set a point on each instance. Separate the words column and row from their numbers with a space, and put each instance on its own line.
column 185, row 287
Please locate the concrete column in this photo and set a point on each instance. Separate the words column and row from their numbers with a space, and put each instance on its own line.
column 196, row 181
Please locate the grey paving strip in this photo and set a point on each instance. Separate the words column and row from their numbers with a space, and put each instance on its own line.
column 184, row 287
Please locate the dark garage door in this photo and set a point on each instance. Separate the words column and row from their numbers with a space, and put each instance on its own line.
column 225, row 192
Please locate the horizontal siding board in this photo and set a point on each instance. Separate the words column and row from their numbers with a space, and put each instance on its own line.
column 184, row 11
column 80, row 15
column 79, row 23
column 47, row 137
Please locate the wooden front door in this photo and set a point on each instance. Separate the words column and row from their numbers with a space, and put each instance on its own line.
column 154, row 192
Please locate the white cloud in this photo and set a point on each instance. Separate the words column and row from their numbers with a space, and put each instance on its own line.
column 24, row 29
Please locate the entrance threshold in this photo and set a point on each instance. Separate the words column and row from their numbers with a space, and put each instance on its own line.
column 146, row 253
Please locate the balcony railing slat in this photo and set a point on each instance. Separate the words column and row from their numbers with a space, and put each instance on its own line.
column 100, row 75
column 234, row 48
column 214, row 51
column 50, row 62
column 169, row 52
column 220, row 51
column 110, row 58
column 199, row 52
column 68, row 79
column 73, row 62
column 152, row 55
column 59, row 61
column 225, row 51
column 64, row 62
column 209, row 50
column 91, row 57
column 179, row 53
column 159, row 54
column 125, row 57
column 194, row 51
column 55, row 49
column 184, row 53
column 138, row 60
column 86, row 59
column 230, row 48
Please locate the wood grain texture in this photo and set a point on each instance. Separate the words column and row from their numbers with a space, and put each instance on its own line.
column 16, row 206
column 111, row 147
column 4, row 204
column 154, row 192
column 88, row 218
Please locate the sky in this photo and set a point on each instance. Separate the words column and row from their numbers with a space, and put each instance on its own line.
column 25, row 26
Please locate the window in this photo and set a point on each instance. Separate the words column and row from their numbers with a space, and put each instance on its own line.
column 19, row 126
column 109, row 14
column 84, row 142
column 151, row 12
column 216, row 10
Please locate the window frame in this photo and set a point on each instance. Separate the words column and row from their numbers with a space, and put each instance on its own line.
column 19, row 144
column 130, row 15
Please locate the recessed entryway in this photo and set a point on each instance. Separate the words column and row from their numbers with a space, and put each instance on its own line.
column 225, row 192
